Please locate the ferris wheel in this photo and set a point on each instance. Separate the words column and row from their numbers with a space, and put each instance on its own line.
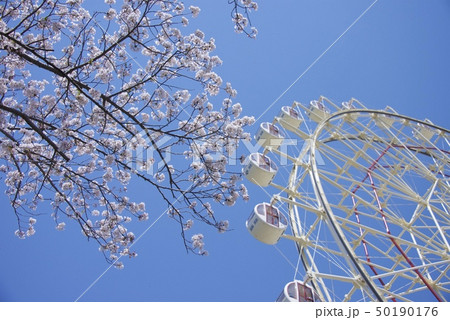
column 365, row 197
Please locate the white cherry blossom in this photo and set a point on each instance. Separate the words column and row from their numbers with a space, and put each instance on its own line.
column 93, row 100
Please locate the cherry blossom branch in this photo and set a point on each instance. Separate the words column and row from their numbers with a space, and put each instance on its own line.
column 35, row 128
column 96, row 104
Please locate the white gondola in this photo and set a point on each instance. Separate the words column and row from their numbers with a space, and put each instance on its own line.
column 266, row 223
column 260, row 169
column 297, row 291
column 423, row 132
column 269, row 135
column 317, row 112
column 289, row 116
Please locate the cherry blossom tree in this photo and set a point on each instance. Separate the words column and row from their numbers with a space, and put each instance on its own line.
column 94, row 98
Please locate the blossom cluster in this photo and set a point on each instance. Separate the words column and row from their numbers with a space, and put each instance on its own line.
column 82, row 90
column 241, row 17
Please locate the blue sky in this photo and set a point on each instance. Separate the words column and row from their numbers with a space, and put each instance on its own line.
column 397, row 54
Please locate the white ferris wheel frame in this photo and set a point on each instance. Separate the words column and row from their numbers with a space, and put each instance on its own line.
column 305, row 168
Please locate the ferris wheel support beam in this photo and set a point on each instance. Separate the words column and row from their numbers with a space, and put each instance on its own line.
column 311, row 271
column 387, row 274
column 346, row 246
column 419, row 254
column 430, row 210
column 355, row 280
column 283, row 154
column 399, row 248
column 352, row 262
column 306, row 207
column 381, row 233
column 306, row 243
column 318, row 284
